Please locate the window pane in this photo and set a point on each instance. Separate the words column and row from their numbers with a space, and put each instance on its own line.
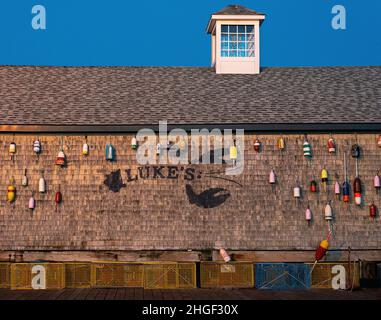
column 232, row 45
column 224, row 45
column 224, row 37
column 250, row 53
column 241, row 37
column 224, row 53
column 241, row 53
column 241, row 45
column 250, row 37
column 233, row 29
column 241, row 29
column 233, row 37
column 249, row 29
column 232, row 53
column 224, row 28
column 250, row 45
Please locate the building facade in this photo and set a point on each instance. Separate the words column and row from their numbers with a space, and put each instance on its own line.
column 122, row 210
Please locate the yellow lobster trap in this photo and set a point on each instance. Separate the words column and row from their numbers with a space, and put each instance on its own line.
column 116, row 274
column 222, row 275
column 322, row 274
column 148, row 275
column 27, row 276
column 77, row 275
column 5, row 275
column 167, row 275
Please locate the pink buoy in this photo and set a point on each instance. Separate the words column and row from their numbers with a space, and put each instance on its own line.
column 32, row 203
column 224, row 255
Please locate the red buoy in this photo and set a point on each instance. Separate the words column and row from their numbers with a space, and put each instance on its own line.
column 373, row 211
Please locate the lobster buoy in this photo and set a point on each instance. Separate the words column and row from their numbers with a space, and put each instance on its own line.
column 307, row 150
column 331, row 146
column 357, row 190
column 313, row 186
column 281, row 144
column 257, row 145
column 224, row 255
column 134, row 144
column 321, row 250
column 58, row 197
column 377, row 182
column 355, row 151
column 85, row 149
column 324, row 178
column 31, row 203
column 272, row 178
column 297, row 192
column 24, row 181
column 41, row 185
column 61, row 159
column 328, row 212
column 11, row 193
column 110, row 152
column 379, row 141
column 233, row 152
column 158, row 149
column 37, row 147
column 308, row 215
column 337, row 189
column 346, row 191
column 12, row 148
column 373, row 211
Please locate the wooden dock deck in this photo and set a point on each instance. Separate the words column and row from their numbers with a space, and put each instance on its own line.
column 188, row 294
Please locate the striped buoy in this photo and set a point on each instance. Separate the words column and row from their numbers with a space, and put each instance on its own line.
column 331, row 146
column 328, row 212
column 357, row 191
column 346, row 191
column 307, row 150
column 257, row 145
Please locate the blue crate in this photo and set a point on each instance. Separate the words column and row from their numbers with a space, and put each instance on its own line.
column 282, row 276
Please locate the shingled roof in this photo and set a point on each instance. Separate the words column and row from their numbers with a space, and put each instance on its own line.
column 131, row 97
column 235, row 9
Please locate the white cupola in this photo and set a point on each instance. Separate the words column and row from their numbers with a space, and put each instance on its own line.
column 236, row 40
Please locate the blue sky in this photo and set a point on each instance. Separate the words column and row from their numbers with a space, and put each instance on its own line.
column 172, row 32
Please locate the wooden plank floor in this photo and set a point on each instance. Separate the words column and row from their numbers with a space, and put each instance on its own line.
column 191, row 294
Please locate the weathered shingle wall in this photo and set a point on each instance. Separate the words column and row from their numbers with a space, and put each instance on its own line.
column 156, row 213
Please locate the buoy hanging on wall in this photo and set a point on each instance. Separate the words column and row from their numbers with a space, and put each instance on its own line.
column 281, row 144
column 357, row 189
column 373, row 211
column 11, row 192
column 331, row 146
column 355, row 151
column 12, row 149
column 377, row 182
column 307, row 150
column 257, row 145
column 321, row 250
column 308, row 215
column 85, row 148
column 324, row 179
column 272, row 177
column 346, row 191
column 297, row 194
column 313, row 186
column 58, row 197
column 41, row 185
column 224, row 255
column 337, row 190
column 37, row 147
column 61, row 159
column 24, row 181
column 158, row 149
column 328, row 212
column 110, row 152
column 134, row 143
column 31, row 203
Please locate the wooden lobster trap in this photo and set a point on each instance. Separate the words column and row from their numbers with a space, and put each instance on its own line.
column 232, row 274
column 28, row 276
column 77, row 275
column 5, row 275
column 323, row 274
column 169, row 275
column 116, row 274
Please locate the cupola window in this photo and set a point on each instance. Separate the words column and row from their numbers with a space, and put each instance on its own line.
column 237, row 40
